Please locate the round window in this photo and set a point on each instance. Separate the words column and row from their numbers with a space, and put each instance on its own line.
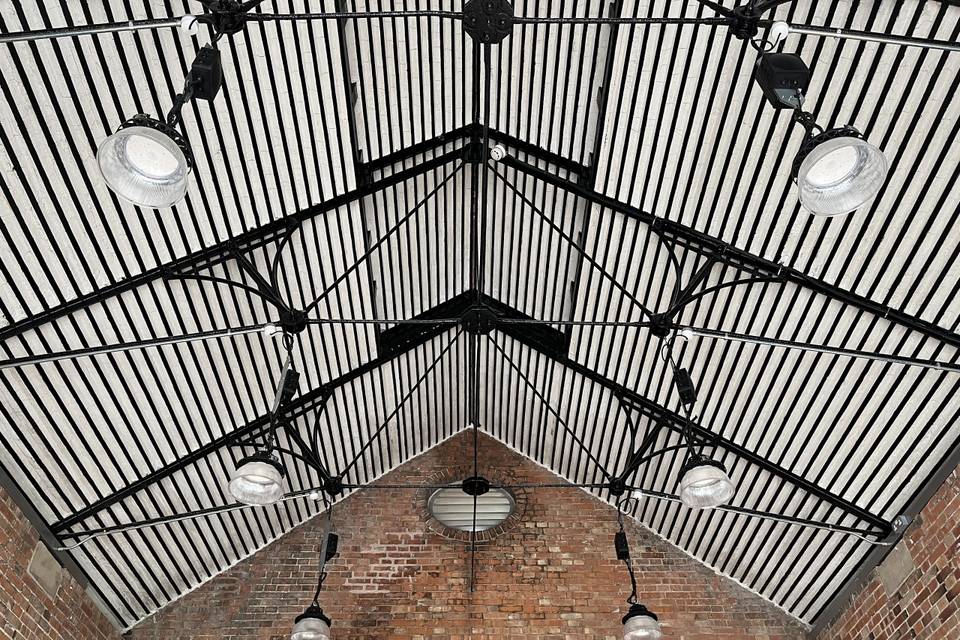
column 454, row 509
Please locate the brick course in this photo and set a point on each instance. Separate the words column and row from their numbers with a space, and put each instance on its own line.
column 926, row 606
column 26, row 611
column 552, row 577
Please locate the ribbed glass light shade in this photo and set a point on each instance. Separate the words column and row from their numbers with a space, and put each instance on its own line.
column 257, row 480
column 705, row 484
column 312, row 625
column 640, row 624
column 840, row 175
column 144, row 166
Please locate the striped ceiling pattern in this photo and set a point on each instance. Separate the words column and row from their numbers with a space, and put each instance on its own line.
column 641, row 158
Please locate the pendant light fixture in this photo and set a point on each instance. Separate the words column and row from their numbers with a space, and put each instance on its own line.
column 147, row 161
column 258, row 479
column 836, row 171
column 704, row 483
column 313, row 623
column 639, row 623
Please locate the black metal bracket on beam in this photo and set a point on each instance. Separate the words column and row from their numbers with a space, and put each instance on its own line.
column 477, row 313
column 415, row 151
column 708, row 245
column 292, row 321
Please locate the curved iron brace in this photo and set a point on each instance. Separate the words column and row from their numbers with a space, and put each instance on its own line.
column 725, row 285
column 275, row 264
column 218, row 280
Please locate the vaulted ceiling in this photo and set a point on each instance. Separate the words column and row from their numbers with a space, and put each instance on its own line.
column 339, row 156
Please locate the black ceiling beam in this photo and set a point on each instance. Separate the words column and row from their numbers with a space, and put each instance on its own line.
column 416, row 150
column 709, row 245
column 538, row 152
column 296, row 408
column 616, row 8
column 350, row 97
column 666, row 417
column 224, row 250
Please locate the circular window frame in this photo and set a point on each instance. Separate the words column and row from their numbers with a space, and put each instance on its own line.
column 448, row 478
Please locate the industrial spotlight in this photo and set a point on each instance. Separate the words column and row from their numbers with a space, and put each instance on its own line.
column 704, row 483
column 146, row 162
column 257, row 480
column 312, row 624
column 836, row 171
column 641, row 624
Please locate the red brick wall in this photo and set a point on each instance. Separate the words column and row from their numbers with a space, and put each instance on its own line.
column 927, row 604
column 553, row 576
column 26, row 611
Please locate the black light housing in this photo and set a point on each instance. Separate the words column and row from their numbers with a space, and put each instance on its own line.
column 312, row 624
column 704, row 483
column 258, row 479
column 641, row 624
column 784, row 79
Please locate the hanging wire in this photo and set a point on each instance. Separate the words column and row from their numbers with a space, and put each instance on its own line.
column 270, row 442
column 322, row 562
column 621, row 508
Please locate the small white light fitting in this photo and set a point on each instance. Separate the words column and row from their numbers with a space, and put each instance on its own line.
column 641, row 624
column 704, row 483
column 257, row 480
column 498, row 153
column 312, row 624
column 837, row 172
column 777, row 33
column 272, row 330
column 146, row 162
column 190, row 25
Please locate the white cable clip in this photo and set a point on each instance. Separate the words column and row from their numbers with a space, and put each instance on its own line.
column 190, row 25
column 777, row 33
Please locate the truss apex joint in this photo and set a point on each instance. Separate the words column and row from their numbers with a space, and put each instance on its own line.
column 618, row 487
column 333, row 486
column 476, row 486
column 479, row 320
column 660, row 325
column 293, row 321
column 473, row 152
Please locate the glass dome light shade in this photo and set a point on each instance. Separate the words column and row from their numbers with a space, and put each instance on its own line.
column 257, row 480
column 146, row 162
column 705, row 484
column 312, row 624
column 838, row 172
column 641, row 624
